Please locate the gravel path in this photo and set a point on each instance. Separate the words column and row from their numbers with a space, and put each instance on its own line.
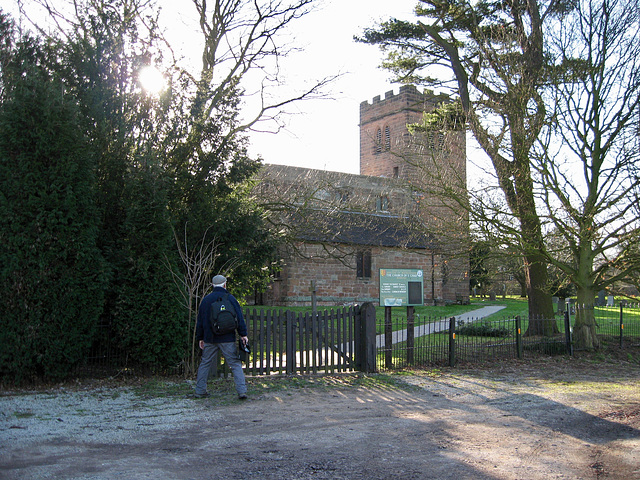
column 102, row 416
column 560, row 419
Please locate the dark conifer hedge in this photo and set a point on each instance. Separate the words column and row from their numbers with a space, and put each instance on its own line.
column 52, row 274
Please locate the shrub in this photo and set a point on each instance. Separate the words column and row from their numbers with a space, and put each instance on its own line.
column 51, row 271
column 482, row 329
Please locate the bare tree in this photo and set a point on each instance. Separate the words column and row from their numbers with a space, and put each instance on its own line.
column 199, row 138
column 193, row 281
column 588, row 165
column 240, row 36
column 493, row 57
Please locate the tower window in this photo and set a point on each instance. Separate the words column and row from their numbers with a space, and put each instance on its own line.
column 378, row 148
column 396, row 172
column 435, row 141
column 387, row 138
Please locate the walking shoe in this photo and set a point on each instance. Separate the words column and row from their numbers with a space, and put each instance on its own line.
column 242, row 396
column 202, row 395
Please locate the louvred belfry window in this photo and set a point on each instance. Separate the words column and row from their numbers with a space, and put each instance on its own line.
column 379, row 141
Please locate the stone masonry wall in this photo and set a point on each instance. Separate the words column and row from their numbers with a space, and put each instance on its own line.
column 382, row 157
column 336, row 282
column 335, row 190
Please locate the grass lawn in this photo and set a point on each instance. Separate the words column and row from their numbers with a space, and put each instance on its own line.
column 607, row 318
column 514, row 306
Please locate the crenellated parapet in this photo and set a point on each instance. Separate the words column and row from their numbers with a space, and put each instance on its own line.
column 385, row 141
column 408, row 97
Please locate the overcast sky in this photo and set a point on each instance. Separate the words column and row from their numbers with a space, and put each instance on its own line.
column 324, row 134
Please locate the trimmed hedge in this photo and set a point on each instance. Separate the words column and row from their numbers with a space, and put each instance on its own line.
column 52, row 273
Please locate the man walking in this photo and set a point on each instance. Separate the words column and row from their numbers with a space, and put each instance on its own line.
column 210, row 343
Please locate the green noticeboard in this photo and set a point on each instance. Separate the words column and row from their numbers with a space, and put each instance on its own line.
column 401, row 287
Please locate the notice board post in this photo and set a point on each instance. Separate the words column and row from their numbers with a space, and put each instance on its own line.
column 400, row 287
column 388, row 339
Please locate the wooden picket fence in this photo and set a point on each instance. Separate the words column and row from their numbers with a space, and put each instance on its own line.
column 289, row 342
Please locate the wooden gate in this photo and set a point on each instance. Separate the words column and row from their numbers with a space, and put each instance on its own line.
column 287, row 342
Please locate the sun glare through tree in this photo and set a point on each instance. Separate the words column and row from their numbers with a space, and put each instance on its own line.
column 151, row 80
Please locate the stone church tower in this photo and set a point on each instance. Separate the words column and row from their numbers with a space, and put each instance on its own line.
column 387, row 149
column 432, row 165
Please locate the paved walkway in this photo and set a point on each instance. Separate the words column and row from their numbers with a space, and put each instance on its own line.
column 441, row 325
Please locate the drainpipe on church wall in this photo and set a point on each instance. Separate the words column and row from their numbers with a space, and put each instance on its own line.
column 313, row 298
column 433, row 279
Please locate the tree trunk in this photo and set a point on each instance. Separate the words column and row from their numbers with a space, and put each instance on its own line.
column 584, row 330
column 521, row 200
column 541, row 314
column 523, row 290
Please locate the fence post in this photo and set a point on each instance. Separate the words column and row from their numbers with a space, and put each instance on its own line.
column 518, row 336
column 410, row 334
column 291, row 343
column 365, row 338
column 621, row 326
column 388, row 338
column 567, row 332
column 452, row 341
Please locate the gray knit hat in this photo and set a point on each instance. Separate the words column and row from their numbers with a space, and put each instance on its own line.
column 218, row 281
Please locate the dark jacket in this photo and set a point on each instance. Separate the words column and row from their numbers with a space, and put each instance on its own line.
column 203, row 326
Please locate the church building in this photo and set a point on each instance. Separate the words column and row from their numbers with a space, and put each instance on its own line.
column 342, row 229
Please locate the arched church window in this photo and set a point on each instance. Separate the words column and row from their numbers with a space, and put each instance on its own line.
column 379, row 140
column 382, row 204
column 363, row 264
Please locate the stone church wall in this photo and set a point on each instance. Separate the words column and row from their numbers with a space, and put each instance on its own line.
column 335, row 278
column 389, row 186
column 336, row 283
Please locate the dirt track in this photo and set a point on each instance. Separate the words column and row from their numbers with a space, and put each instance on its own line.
column 581, row 421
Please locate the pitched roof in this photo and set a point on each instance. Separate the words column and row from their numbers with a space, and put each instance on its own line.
column 357, row 228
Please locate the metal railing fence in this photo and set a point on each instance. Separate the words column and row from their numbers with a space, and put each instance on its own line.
column 285, row 342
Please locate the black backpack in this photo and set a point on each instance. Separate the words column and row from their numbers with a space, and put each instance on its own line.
column 223, row 316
